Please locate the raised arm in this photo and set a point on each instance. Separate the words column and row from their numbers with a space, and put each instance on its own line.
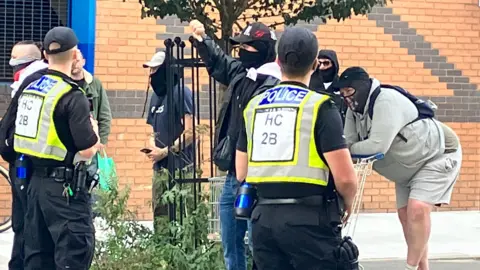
column 220, row 66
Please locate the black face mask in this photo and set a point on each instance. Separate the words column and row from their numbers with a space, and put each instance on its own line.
column 316, row 81
column 20, row 67
column 251, row 59
column 359, row 99
column 328, row 74
column 158, row 81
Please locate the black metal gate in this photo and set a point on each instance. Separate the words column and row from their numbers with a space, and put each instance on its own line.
column 182, row 57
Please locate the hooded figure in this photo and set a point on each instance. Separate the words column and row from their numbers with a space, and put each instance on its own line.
column 324, row 78
column 327, row 73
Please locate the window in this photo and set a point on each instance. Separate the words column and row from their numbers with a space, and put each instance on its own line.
column 27, row 20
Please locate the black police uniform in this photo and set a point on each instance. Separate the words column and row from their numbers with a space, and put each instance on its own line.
column 300, row 236
column 19, row 187
column 59, row 232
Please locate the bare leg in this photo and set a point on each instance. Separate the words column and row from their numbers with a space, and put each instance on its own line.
column 423, row 265
column 418, row 230
column 402, row 216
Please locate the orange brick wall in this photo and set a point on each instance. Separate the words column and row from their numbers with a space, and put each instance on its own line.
column 452, row 26
column 359, row 42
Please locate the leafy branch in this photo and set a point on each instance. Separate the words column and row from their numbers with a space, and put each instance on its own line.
column 238, row 13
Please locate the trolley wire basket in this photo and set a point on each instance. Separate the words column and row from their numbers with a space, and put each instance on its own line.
column 363, row 165
column 215, row 188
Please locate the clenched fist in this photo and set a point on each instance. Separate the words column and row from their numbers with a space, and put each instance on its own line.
column 198, row 30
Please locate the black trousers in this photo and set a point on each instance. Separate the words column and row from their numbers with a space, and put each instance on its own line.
column 288, row 237
column 57, row 235
column 19, row 206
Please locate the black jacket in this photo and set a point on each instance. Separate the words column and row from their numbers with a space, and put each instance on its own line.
column 241, row 88
column 7, row 126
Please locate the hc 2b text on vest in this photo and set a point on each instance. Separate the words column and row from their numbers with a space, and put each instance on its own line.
column 274, row 134
column 28, row 115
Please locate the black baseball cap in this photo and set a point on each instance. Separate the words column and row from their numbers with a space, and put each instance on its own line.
column 298, row 47
column 350, row 75
column 253, row 32
column 63, row 36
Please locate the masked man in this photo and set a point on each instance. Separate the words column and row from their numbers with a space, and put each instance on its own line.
column 326, row 75
column 169, row 122
column 253, row 74
column 422, row 155
column 26, row 59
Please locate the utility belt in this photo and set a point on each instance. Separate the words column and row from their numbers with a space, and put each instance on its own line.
column 247, row 200
column 317, row 200
column 74, row 179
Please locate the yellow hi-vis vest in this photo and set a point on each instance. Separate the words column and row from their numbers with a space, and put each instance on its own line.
column 35, row 132
column 280, row 137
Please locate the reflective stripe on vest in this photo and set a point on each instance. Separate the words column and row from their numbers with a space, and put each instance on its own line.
column 35, row 132
column 278, row 157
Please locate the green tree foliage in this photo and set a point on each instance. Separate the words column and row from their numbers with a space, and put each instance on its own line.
column 232, row 12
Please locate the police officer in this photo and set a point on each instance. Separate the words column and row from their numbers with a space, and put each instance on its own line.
column 294, row 152
column 53, row 128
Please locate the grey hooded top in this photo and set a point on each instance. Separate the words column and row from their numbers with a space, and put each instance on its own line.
column 393, row 113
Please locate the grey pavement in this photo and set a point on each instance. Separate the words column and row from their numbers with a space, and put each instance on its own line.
column 455, row 235
column 434, row 265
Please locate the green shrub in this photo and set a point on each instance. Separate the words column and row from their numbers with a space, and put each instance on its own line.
column 130, row 245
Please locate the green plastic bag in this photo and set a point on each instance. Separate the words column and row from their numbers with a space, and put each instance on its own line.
column 107, row 171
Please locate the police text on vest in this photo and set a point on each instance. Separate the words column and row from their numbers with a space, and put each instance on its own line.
column 283, row 94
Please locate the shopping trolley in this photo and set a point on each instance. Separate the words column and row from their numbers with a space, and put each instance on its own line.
column 215, row 188
column 363, row 167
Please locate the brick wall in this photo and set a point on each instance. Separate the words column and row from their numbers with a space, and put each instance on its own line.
column 429, row 47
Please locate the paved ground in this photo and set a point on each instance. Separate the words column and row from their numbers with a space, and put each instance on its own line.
column 434, row 265
column 455, row 235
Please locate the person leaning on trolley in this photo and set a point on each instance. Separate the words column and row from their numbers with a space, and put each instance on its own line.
column 294, row 152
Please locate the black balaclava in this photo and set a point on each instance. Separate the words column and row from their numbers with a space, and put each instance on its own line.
column 362, row 91
column 265, row 54
column 319, row 77
column 330, row 74
column 358, row 79
column 316, row 81
column 158, row 81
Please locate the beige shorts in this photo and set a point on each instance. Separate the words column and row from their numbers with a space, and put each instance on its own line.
column 434, row 183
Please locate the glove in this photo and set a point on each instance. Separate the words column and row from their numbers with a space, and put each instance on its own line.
column 347, row 254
